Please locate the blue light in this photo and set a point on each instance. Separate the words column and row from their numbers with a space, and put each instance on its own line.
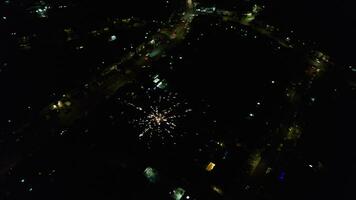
column 281, row 176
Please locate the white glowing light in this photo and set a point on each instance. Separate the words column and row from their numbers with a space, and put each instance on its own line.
column 112, row 38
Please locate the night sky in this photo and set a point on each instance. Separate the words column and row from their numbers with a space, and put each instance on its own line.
column 175, row 99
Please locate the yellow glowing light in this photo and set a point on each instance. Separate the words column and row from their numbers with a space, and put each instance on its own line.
column 254, row 161
column 60, row 104
column 190, row 3
column 210, row 166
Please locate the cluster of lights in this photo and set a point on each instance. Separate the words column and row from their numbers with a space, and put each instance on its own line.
column 61, row 105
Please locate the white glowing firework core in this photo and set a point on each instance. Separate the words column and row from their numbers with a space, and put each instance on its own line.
column 157, row 117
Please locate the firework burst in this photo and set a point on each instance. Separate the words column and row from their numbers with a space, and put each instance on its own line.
column 158, row 114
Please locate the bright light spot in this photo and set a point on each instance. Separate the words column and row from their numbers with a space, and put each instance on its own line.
column 178, row 193
column 217, row 190
column 311, row 166
column 60, row 104
column 268, row 170
column 156, row 79
column 112, row 38
column 62, row 132
column 42, row 12
column 190, row 3
column 151, row 174
column 160, row 85
column 80, row 47
column 210, row 166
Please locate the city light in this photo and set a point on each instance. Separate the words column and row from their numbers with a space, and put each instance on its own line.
column 210, row 167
